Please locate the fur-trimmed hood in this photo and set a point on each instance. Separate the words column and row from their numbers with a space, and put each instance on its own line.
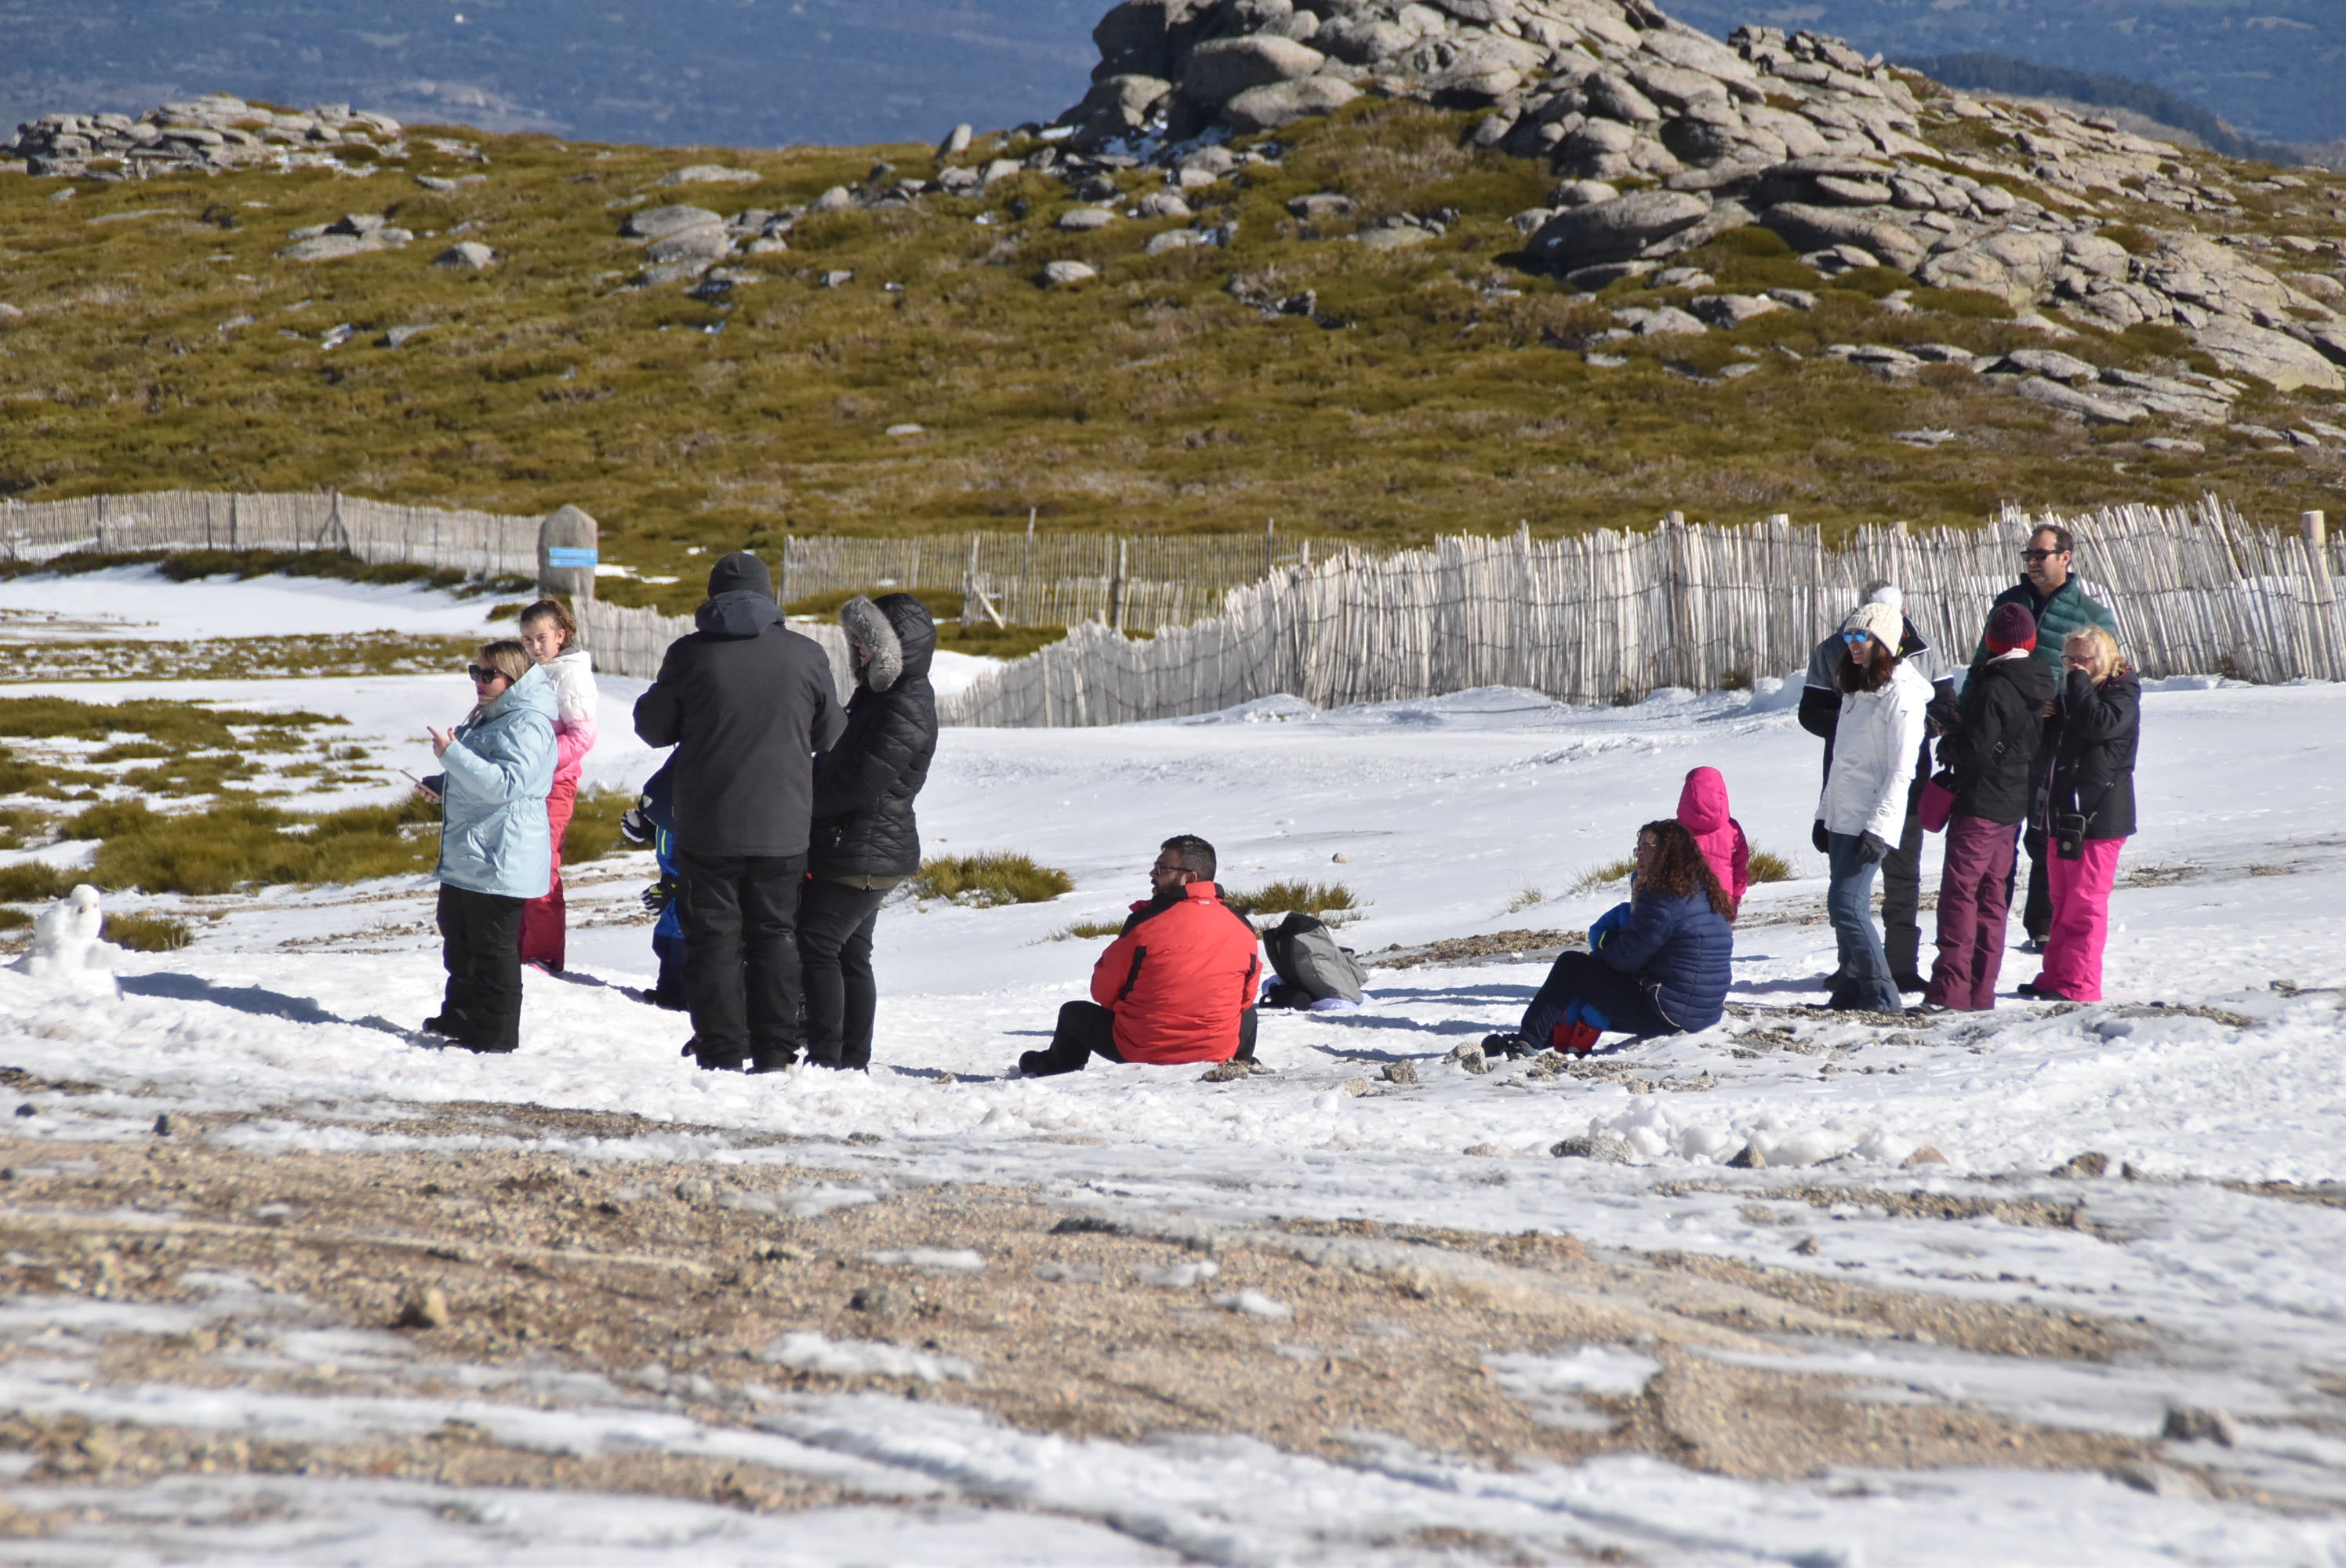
column 898, row 632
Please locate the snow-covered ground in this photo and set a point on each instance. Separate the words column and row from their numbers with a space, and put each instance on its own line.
column 2214, row 1065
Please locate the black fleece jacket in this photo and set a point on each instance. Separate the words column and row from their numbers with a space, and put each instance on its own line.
column 1994, row 744
column 864, row 785
column 746, row 703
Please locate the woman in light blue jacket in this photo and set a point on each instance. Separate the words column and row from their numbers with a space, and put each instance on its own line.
column 495, row 851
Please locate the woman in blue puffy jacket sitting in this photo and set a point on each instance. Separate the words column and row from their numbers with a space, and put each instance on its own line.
column 496, row 851
column 1661, row 963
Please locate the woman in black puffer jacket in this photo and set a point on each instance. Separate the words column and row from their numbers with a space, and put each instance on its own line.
column 865, row 841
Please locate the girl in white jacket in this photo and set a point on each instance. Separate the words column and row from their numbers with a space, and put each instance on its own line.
column 551, row 638
column 1863, row 809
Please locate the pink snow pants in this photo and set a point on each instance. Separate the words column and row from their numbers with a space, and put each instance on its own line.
column 2081, row 920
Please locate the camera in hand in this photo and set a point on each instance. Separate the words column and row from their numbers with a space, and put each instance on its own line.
column 2069, row 834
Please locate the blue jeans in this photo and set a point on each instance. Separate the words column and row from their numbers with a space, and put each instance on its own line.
column 1865, row 967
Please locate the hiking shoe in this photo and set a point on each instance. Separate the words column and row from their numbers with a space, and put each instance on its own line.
column 1910, row 983
column 1512, row 1046
column 2034, row 945
column 1030, row 1063
column 1928, row 1010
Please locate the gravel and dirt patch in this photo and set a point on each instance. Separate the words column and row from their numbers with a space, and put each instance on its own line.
column 612, row 1281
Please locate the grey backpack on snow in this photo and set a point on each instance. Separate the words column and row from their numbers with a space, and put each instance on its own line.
column 1307, row 959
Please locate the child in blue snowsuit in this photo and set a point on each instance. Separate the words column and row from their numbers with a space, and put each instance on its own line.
column 653, row 822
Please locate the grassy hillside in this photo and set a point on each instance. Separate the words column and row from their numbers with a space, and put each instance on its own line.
column 163, row 343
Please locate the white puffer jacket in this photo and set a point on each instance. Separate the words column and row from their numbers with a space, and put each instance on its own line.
column 573, row 674
column 1875, row 746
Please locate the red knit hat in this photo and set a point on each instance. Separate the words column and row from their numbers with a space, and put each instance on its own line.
column 2012, row 626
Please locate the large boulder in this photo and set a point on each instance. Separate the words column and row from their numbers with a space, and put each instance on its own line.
column 1616, row 231
column 1117, row 106
column 1145, row 38
column 1222, row 68
column 1871, row 229
column 1281, row 103
column 659, row 223
column 2016, row 266
column 2270, row 356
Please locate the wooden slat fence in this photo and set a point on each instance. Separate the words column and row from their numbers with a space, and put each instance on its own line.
column 1135, row 583
column 483, row 543
column 1608, row 615
column 631, row 643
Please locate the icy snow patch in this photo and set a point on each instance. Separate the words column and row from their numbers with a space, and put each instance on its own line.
column 1549, row 1387
column 811, row 1352
column 936, row 1260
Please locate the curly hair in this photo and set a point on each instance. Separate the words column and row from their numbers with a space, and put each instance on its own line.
column 1679, row 868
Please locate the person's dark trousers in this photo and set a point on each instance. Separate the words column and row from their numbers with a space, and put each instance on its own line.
column 480, row 943
column 668, row 989
column 1974, row 895
column 1579, row 975
column 741, row 957
column 835, row 923
column 1849, row 900
column 2037, row 914
column 1901, row 898
column 1085, row 1030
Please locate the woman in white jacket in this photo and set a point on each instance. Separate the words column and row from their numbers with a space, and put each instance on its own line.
column 1879, row 733
column 552, row 638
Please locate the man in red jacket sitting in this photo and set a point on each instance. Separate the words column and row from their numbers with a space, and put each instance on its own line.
column 1178, row 986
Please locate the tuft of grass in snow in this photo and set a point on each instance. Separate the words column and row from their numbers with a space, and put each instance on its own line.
column 594, row 830
column 1529, row 898
column 1599, row 878
column 19, row 828
column 146, row 934
column 14, row 919
column 1767, row 866
column 31, row 881
column 180, row 727
column 240, row 658
column 986, row 882
column 1322, row 899
column 240, row 843
column 1088, row 931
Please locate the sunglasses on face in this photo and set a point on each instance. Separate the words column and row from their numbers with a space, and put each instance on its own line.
column 1857, row 639
column 483, row 675
column 2032, row 556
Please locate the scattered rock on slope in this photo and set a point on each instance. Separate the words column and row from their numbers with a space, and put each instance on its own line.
column 1794, row 132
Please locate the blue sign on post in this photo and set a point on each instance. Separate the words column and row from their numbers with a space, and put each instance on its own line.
column 576, row 557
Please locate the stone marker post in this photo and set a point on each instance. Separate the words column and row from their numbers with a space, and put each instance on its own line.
column 566, row 557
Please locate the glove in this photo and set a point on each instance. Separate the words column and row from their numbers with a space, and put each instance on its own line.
column 634, row 827
column 1871, row 850
column 659, row 895
column 1819, row 838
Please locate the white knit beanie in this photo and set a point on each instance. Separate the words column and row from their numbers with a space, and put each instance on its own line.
column 1883, row 624
column 1887, row 593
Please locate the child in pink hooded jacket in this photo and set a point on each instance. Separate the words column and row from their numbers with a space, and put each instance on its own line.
column 552, row 638
column 1702, row 809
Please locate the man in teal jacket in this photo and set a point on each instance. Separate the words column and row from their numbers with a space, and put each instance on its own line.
column 2058, row 601
column 495, row 849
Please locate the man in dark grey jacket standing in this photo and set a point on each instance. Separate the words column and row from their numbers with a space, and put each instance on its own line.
column 746, row 703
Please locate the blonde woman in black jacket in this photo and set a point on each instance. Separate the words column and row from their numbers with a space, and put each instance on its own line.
column 865, row 837
column 2089, row 812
